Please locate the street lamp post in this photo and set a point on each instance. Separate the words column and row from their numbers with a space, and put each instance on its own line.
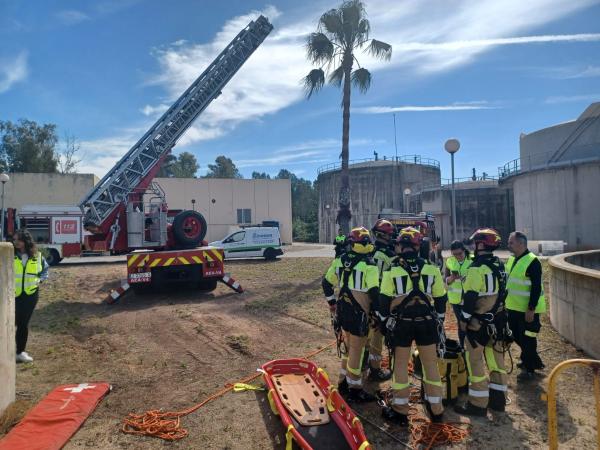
column 407, row 192
column 3, row 179
column 452, row 146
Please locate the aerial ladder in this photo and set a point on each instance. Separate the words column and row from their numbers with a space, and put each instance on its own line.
column 126, row 212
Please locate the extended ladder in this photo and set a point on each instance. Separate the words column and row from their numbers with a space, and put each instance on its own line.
column 133, row 170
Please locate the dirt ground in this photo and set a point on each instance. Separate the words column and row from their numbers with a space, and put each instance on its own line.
column 172, row 350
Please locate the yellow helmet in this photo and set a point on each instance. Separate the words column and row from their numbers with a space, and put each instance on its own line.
column 360, row 240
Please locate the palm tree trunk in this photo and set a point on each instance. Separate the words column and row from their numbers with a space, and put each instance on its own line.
column 344, row 215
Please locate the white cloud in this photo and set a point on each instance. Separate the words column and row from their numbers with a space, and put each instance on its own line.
column 72, row 17
column 13, row 71
column 150, row 110
column 427, row 37
column 572, row 99
column 469, row 106
column 587, row 72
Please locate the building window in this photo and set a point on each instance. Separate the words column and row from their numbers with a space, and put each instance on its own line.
column 244, row 216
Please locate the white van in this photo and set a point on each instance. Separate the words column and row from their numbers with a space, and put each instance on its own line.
column 251, row 241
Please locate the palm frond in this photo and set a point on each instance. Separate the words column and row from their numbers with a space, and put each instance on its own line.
column 319, row 48
column 313, row 82
column 337, row 76
column 353, row 12
column 331, row 22
column 361, row 79
column 364, row 28
column 380, row 49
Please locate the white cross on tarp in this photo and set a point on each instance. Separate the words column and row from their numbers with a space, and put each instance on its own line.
column 79, row 388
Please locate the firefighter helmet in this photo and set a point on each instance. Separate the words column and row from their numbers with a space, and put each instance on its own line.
column 383, row 227
column 360, row 240
column 488, row 236
column 409, row 236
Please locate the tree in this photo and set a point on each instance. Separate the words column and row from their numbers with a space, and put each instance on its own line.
column 186, row 166
column 223, row 168
column 260, row 176
column 28, row 147
column 340, row 34
column 67, row 163
column 183, row 166
column 305, row 204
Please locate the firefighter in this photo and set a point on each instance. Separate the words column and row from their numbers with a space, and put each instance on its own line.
column 483, row 318
column 383, row 255
column 340, row 243
column 30, row 269
column 455, row 273
column 356, row 276
column 410, row 308
column 524, row 302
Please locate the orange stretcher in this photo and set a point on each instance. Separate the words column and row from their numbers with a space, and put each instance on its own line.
column 313, row 412
column 53, row 421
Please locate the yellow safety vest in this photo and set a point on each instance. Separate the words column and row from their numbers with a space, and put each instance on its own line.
column 27, row 279
column 455, row 289
column 519, row 285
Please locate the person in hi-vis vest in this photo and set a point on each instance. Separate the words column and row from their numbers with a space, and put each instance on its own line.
column 355, row 275
column 30, row 270
column 454, row 274
column 525, row 302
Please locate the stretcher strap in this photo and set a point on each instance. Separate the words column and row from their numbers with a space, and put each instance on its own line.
column 289, row 437
column 272, row 402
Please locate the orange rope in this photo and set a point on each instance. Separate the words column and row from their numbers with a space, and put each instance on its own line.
column 424, row 432
column 167, row 425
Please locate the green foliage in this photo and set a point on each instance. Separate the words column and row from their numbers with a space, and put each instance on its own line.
column 305, row 205
column 223, row 168
column 260, row 176
column 28, row 147
column 183, row 166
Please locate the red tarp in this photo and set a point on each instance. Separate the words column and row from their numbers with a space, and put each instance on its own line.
column 50, row 424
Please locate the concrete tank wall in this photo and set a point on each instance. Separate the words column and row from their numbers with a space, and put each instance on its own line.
column 477, row 205
column 559, row 204
column 575, row 299
column 374, row 186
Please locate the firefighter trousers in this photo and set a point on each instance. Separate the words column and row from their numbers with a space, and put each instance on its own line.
column 479, row 388
column 375, row 347
column 431, row 378
column 352, row 361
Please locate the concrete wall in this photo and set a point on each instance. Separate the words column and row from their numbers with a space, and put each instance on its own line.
column 559, row 204
column 47, row 189
column 374, row 186
column 7, row 326
column 577, row 139
column 478, row 204
column 219, row 199
column 575, row 299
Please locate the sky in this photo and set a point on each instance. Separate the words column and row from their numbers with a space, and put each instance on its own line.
column 480, row 71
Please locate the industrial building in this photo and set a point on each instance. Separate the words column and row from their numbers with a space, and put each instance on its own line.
column 555, row 182
column 376, row 184
column 225, row 203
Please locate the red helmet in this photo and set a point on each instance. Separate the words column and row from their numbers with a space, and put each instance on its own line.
column 383, row 226
column 360, row 240
column 410, row 236
column 488, row 236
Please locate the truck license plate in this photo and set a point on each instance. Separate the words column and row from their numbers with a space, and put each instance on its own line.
column 142, row 277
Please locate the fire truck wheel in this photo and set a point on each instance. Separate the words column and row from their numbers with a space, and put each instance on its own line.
column 189, row 228
column 207, row 285
column 53, row 258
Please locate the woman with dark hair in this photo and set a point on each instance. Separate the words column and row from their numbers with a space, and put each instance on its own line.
column 30, row 270
column 455, row 273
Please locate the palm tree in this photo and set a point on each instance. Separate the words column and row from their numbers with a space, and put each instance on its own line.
column 340, row 33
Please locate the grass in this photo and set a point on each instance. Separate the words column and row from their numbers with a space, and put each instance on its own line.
column 240, row 343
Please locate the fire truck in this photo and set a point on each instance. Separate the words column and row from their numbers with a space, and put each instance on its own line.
column 127, row 213
column 424, row 222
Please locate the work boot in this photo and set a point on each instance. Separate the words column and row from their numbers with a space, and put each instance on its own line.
column 391, row 415
column 435, row 418
column 497, row 400
column 526, row 375
column 343, row 387
column 360, row 396
column 469, row 409
column 379, row 374
column 24, row 357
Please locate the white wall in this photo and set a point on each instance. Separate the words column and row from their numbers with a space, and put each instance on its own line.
column 219, row 199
